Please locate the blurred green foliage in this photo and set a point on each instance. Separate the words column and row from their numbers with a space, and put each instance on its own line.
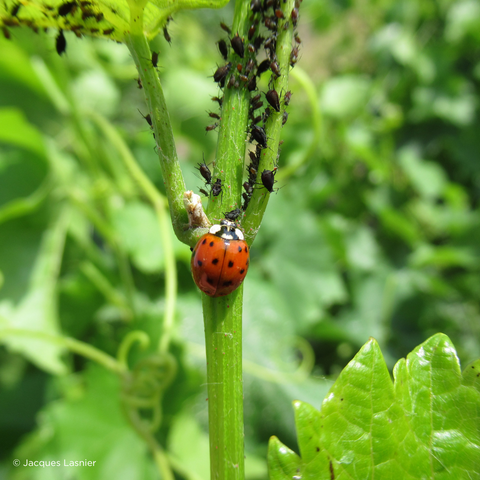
column 375, row 231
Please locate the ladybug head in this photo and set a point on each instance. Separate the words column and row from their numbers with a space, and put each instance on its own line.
column 227, row 230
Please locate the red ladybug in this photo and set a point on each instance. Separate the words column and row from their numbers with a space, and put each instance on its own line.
column 220, row 260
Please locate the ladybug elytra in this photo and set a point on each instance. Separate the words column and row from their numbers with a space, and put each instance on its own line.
column 220, row 260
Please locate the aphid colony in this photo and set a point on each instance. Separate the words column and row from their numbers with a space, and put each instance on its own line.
column 79, row 16
column 242, row 71
column 220, row 258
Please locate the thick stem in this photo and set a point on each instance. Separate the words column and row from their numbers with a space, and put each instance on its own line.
column 223, row 339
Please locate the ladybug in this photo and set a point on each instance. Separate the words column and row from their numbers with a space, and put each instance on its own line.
column 220, row 260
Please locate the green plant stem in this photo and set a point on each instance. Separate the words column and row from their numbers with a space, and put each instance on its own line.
column 268, row 160
column 223, row 340
column 162, row 128
column 159, row 204
column 71, row 344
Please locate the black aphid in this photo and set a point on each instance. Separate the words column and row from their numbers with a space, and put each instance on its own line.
column 263, row 67
column 222, row 46
column 60, row 43
column 258, row 134
column 221, row 73
column 268, row 179
column 233, row 215
column 237, row 45
column 273, row 100
column 166, row 35
column 66, row 8
column 225, row 28
column 154, row 59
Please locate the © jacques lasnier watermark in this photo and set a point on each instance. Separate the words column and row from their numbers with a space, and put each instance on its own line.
column 54, row 463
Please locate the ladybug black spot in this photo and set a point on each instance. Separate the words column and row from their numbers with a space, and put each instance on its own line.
column 211, row 244
column 227, row 283
column 204, row 241
column 215, row 261
column 230, row 264
column 242, row 271
column 210, row 281
column 239, row 249
column 246, row 249
column 199, row 263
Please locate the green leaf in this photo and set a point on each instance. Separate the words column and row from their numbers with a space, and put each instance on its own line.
column 96, row 18
column 345, row 96
column 15, row 130
column 138, row 230
column 87, row 423
column 283, row 463
column 425, row 425
column 37, row 311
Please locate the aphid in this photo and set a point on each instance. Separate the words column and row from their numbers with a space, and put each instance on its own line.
column 205, row 172
column 139, row 83
column 243, row 78
column 248, row 188
column 267, row 4
column 239, row 67
column 249, row 66
column 285, row 118
column 253, row 158
column 222, row 46
column 246, row 201
column 88, row 14
column 275, row 67
column 293, row 56
column 60, row 43
column 204, row 192
column 258, row 134
column 294, row 16
column 279, row 13
column 286, row 98
column 148, row 118
column 233, row 215
column 251, row 48
column 218, row 100
column 256, row 6
column 220, row 260
column 209, row 128
column 94, row 30
column 271, row 23
column 256, row 98
column 108, row 31
column 99, row 17
column 225, row 28
column 263, row 67
column 15, row 9
column 217, row 187
column 221, row 73
column 268, row 179
column 273, row 100
column 256, row 105
column 231, row 81
column 271, row 44
column 237, row 45
column 251, row 31
column 258, row 42
column 252, row 84
column 266, row 114
column 6, row 32
column 297, row 38
column 257, row 119
column 154, row 59
column 166, row 35
column 214, row 115
column 66, row 8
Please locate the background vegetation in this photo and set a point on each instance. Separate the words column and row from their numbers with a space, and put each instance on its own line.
column 374, row 233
